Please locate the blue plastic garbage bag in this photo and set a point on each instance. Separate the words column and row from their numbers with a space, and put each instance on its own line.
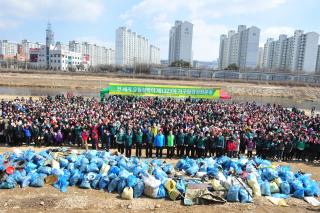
column 181, row 186
column 26, row 181
column 121, row 185
column 95, row 182
column 161, row 192
column 299, row 194
column 91, row 153
column 6, row 185
column 30, row 167
column 181, row 164
column 84, row 168
column 75, row 177
column 115, row 170
column 265, row 188
column 296, row 185
column 45, row 170
column 62, row 184
column 285, row 187
column 71, row 167
column 244, row 196
column 159, row 174
column 192, row 170
column 137, row 170
column 233, row 194
column 213, row 171
column 113, row 185
column 57, row 172
column 72, row 158
column 85, row 184
column 269, row 174
column 92, row 167
column 37, row 180
column 123, row 173
column 314, row 185
column 63, row 163
column 103, row 182
column 28, row 155
column 168, row 168
column 19, row 176
column 132, row 181
column 84, row 160
column 138, row 189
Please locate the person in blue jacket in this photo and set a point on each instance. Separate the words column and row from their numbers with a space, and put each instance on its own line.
column 159, row 142
column 27, row 134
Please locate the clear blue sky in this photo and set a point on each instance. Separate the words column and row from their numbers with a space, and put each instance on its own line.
column 96, row 20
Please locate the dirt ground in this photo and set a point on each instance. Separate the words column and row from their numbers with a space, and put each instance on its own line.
column 50, row 199
column 91, row 82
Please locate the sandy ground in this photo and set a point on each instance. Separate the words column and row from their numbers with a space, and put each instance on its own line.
column 75, row 199
column 91, row 82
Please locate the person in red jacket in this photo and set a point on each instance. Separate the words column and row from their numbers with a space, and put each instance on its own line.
column 95, row 137
column 85, row 137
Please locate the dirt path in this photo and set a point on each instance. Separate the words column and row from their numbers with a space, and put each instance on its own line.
column 50, row 199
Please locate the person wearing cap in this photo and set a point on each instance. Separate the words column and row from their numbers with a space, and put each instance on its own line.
column 159, row 143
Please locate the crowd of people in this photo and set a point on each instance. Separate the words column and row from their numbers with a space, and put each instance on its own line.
column 193, row 128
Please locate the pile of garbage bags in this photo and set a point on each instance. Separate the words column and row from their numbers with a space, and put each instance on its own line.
column 242, row 179
column 130, row 177
column 209, row 180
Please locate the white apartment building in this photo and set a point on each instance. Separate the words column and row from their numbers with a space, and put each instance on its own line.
column 180, row 42
column 241, row 48
column 154, row 55
column 93, row 54
column 260, row 58
column 8, row 49
column 268, row 54
column 59, row 59
column 131, row 48
column 295, row 54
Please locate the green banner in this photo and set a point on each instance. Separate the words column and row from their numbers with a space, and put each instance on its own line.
column 163, row 90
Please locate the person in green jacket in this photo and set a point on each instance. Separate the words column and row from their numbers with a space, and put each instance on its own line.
column 201, row 145
column 300, row 147
column 128, row 143
column 170, row 144
column 180, row 143
column 191, row 144
column 138, row 141
column 120, row 137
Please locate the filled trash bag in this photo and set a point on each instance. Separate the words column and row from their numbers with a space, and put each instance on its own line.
column 138, row 189
column 132, row 181
column 299, row 194
column 161, row 192
column 121, row 185
column 151, row 186
column 181, row 185
column 265, row 188
column 113, row 185
column 37, row 180
column 103, row 182
column 127, row 193
column 285, row 188
column 233, row 194
column 244, row 196
column 62, row 184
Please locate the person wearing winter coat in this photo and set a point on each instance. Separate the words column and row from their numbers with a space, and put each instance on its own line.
column 120, row 138
column 128, row 143
column 159, row 143
column 170, row 144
